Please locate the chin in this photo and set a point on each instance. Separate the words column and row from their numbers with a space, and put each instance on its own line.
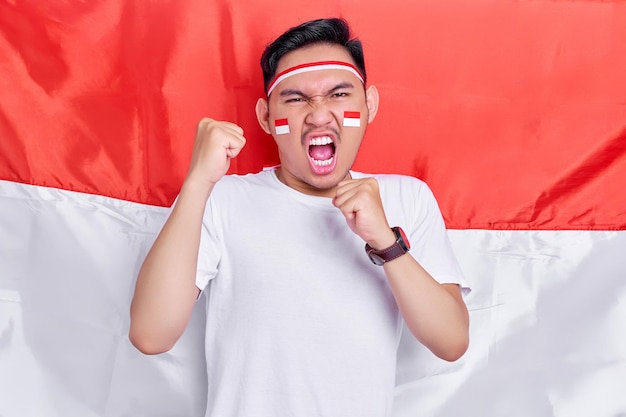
column 328, row 181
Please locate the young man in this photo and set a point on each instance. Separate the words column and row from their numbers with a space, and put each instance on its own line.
column 306, row 280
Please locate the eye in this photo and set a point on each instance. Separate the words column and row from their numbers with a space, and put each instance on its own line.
column 340, row 94
column 295, row 100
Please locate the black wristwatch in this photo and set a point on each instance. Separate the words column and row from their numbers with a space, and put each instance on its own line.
column 399, row 248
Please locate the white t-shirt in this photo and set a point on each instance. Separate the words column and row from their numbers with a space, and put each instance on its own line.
column 300, row 322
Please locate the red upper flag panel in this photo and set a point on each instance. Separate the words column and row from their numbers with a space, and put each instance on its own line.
column 512, row 114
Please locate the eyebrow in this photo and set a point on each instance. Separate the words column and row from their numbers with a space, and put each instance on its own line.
column 294, row 92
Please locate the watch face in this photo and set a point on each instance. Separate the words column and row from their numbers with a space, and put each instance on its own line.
column 399, row 248
column 403, row 239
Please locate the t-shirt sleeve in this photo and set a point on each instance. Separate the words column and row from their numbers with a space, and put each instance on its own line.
column 209, row 251
column 430, row 244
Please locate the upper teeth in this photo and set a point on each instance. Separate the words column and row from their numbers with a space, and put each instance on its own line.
column 324, row 140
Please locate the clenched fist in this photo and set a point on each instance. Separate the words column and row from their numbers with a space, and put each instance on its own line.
column 216, row 143
column 359, row 201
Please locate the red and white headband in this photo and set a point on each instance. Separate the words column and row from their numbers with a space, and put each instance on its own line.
column 313, row 66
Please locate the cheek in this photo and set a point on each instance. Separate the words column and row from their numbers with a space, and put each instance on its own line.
column 289, row 145
column 285, row 122
column 351, row 141
column 350, row 114
column 281, row 126
column 351, row 119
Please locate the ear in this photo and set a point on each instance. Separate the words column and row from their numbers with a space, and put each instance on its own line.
column 371, row 99
column 263, row 115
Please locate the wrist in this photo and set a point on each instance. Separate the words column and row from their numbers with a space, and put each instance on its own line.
column 197, row 187
column 384, row 241
column 399, row 247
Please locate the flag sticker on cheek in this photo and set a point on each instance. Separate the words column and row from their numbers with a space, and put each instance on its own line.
column 282, row 126
column 352, row 118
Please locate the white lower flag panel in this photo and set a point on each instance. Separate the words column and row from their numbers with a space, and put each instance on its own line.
column 547, row 320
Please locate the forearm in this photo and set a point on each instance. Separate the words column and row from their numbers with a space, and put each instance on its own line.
column 165, row 292
column 435, row 313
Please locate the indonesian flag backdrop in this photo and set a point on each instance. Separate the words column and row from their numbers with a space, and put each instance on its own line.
column 514, row 112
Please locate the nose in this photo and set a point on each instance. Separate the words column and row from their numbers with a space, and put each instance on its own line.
column 319, row 112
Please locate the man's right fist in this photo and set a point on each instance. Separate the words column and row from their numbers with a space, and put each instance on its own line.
column 216, row 143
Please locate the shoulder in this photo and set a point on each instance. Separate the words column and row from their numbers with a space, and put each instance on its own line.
column 236, row 182
column 405, row 198
column 397, row 183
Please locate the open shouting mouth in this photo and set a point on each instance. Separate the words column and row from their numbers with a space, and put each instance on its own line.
column 322, row 154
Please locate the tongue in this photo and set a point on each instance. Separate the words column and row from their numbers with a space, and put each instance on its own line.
column 321, row 152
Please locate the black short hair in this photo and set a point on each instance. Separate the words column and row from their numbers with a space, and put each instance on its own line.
column 334, row 31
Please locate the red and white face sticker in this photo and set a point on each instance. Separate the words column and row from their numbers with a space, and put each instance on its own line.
column 352, row 118
column 281, row 126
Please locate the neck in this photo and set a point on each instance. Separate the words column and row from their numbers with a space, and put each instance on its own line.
column 304, row 187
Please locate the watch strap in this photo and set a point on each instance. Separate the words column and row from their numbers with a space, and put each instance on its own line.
column 399, row 248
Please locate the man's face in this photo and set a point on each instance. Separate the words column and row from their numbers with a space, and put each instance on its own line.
column 319, row 148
